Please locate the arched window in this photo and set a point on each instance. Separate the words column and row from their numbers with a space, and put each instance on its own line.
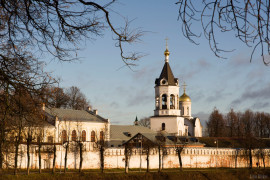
column 177, row 102
column 187, row 110
column 64, row 136
column 83, row 135
column 93, row 136
column 74, row 135
column 183, row 110
column 101, row 136
column 172, row 102
column 164, row 101
column 163, row 126
column 157, row 102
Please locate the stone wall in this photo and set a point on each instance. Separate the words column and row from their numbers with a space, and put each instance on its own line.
column 114, row 158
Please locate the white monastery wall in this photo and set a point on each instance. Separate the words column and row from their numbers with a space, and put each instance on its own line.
column 115, row 158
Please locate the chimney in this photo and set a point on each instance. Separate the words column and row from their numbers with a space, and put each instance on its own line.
column 88, row 108
column 95, row 111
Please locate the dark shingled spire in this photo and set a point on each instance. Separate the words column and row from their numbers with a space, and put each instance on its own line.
column 167, row 74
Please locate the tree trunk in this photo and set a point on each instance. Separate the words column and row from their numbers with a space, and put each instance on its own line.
column 101, row 158
column 147, row 159
column 262, row 155
column 17, row 144
column 126, row 159
column 28, row 155
column 54, row 158
column 65, row 170
column 81, row 155
column 16, row 158
column 39, row 157
column 159, row 159
column 180, row 159
column 250, row 159
column 236, row 159
column 2, row 140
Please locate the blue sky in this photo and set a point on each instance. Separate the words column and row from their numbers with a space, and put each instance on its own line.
column 121, row 94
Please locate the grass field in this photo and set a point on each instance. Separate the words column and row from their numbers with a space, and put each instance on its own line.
column 135, row 174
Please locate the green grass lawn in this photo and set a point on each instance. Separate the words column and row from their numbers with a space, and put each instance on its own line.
column 134, row 174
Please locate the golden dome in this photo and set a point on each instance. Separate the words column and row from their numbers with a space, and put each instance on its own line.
column 185, row 98
column 166, row 52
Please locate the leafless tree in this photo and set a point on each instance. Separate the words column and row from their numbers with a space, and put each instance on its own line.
column 236, row 157
column 231, row 121
column 26, row 114
column 248, row 20
column 128, row 153
column 160, row 142
column 147, row 147
column 126, row 158
column 65, row 138
column 215, row 124
column 18, row 124
column 261, row 122
column 145, row 122
column 179, row 145
column 101, row 145
column 20, row 77
column 56, row 97
column 79, row 143
column 39, row 138
column 57, row 27
column 54, row 157
column 76, row 99
column 250, row 141
column 29, row 136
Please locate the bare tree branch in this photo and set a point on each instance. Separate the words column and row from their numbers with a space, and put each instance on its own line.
column 248, row 20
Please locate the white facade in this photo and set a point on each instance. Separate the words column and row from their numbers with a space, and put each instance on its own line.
column 173, row 125
column 173, row 113
column 81, row 124
column 171, row 101
column 115, row 158
column 185, row 107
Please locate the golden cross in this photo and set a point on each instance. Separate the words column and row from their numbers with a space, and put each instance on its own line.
column 167, row 42
column 184, row 86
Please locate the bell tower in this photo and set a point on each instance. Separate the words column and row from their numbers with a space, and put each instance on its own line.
column 166, row 91
column 167, row 114
column 172, row 113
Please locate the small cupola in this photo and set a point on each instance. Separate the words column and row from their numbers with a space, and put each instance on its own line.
column 185, row 103
column 184, row 97
column 136, row 122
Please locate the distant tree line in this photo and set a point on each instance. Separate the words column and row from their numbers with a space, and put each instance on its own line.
column 249, row 128
column 70, row 98
column 238, row 124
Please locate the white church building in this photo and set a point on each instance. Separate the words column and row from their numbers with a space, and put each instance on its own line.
column 173, row 113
